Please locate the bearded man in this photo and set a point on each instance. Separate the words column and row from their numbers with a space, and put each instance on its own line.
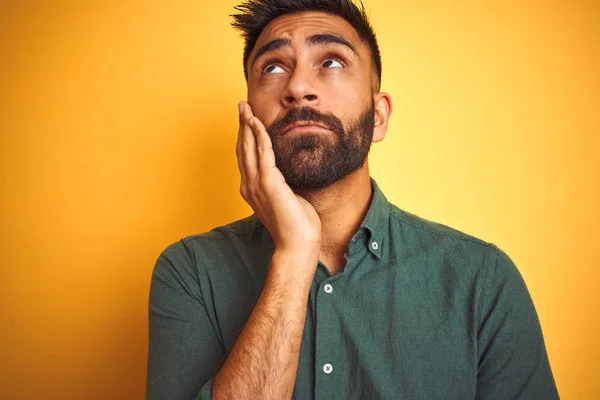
column 328, row 290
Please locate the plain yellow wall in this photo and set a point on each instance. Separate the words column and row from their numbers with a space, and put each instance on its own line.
column 118, row 122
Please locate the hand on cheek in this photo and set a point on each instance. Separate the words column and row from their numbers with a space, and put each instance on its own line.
column 292, row 222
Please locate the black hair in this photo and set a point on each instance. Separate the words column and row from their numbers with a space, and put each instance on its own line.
column 255, row 15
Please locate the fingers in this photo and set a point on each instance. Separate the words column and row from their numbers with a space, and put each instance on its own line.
column 264, row 146
column 256, row 159
column 247, row 161
column 238, row 147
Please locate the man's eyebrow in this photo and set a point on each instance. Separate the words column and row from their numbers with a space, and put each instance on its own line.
column 271, row 46
column 320, row 39
column 329, row 38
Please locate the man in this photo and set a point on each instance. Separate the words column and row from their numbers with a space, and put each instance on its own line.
column 328, row 290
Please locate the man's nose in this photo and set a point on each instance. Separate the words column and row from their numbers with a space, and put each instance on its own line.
column 301, row 90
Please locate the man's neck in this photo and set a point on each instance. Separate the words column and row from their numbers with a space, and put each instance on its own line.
column 341, row 208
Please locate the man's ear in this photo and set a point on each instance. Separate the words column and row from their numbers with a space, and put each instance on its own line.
column 383, row 111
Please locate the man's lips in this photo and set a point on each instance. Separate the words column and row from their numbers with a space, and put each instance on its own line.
column 305, row 127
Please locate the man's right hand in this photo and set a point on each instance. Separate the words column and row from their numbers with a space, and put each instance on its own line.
column 263, row 363
column 292, row 221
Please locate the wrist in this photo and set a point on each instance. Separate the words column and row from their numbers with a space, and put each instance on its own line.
column 295, row 265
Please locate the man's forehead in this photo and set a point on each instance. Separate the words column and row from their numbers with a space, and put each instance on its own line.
column 301, row 25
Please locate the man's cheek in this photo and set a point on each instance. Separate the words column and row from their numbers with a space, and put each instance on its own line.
column 272, row 116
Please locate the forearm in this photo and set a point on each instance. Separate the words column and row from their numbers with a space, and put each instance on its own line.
column 264, row 361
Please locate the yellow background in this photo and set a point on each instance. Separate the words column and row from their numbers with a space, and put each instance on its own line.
column 118, row 127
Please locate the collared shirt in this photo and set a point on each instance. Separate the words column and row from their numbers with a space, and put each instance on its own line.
column 420, row 311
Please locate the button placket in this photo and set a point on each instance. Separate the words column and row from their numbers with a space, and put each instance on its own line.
column 325, row 350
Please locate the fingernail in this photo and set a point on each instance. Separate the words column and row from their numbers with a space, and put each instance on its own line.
column 251, row 122
column 241, row 107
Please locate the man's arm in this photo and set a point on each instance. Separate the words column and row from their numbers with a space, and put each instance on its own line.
column 184, row 348
column 264, row 361
column 513, row 363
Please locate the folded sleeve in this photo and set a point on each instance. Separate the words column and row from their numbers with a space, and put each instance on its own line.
column 513, row 363
column 184, row 348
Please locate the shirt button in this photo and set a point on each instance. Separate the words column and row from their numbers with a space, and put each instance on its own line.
column 374, row 246
column 328, row 368
column 328, row 288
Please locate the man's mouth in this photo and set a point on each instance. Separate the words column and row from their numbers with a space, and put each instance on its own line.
column 305, row 127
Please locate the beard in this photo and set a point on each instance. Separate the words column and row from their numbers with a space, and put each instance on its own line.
column 310, row 162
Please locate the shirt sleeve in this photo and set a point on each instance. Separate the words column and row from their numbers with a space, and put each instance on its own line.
column 184, row 350
column 513, row 363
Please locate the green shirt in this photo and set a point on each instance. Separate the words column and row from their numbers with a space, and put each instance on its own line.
column 420, row 311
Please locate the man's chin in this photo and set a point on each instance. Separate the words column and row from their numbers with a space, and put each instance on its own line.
column 310, row 180
column 303, row 161
column 307, row 187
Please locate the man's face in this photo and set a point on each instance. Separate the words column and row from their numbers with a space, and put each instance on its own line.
column 310, row 83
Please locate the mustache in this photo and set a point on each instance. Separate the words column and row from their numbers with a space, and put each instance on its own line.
column 305, row 114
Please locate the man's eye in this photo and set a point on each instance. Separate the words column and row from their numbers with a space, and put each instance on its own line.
column 273, row 69
column 333, row 62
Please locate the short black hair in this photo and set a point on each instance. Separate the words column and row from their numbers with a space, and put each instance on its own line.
column 255, row 15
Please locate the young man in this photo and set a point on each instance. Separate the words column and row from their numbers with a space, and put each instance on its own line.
column 328, row 290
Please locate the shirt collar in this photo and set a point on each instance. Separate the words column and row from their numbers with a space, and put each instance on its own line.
column 375, row 223
column 373, row 229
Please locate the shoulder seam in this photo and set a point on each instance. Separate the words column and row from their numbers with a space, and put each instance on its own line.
column 201, row 235
column 193, row 262
column 486, row 290
column 466, row 239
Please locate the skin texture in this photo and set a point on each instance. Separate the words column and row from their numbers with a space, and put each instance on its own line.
column 306, row 225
